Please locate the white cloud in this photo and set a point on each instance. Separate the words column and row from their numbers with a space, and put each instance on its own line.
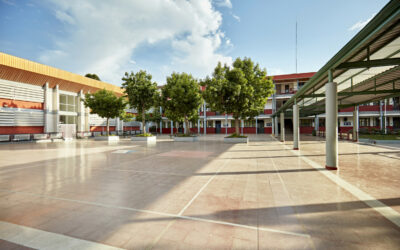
column 9, row 2
column 236, row 17
column 101, row 37
column 360, row 24
column 224, row 3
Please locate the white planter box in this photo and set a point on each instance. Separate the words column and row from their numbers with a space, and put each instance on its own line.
column 40, row 136
column 142, row 138
column 191, row 138
column 106, row 138
column 22, row 137
column 4, row 137
column 236, row 140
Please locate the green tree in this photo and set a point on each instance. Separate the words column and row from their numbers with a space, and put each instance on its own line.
column 105, row 104
column 241, row 90
column 141, row 92
column 93, row 76
column 181, row 98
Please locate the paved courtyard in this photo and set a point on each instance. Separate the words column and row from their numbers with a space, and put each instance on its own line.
column 202, row 195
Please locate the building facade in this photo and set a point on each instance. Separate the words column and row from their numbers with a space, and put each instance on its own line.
column 37, row 100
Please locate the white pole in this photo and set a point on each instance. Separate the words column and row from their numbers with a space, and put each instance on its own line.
column 276, row 127
column 331, row 126
column 296, row 130
column 205, row 118
column 226, row 124
column 273, row 127
column 256, row 125
column 161, row 122
column 384, row 117
column 172, row 128
column 355, row 124
column 282, row 127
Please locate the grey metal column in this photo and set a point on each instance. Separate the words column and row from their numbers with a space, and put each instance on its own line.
column 205, row 118
column 226, row 124
column 282, row 114
column 56, row 108
column 384, row 117
column 331, row 124
column 296, row 130
column 161, row 122
column 316, row 124
column 273, row 126
column 381, row 115
column 276, row 126
column 256, row 125
column 198, row 126
column 242, row 125
column 172, row 128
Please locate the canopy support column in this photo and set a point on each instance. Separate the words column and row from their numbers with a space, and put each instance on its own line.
column 331, row 125
column 296, row 130
column 172, row 128
column 282, row 127
column 276, row 127
column 205, row 118
column 355, row 124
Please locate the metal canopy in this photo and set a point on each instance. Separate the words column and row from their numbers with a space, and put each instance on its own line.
column 366, row 69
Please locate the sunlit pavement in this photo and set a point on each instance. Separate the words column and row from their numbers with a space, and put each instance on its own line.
column 198, row 195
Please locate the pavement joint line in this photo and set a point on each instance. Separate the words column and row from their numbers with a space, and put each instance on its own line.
column 161, row 214
column 39, row 239
column 188, row 204
column 386, row 211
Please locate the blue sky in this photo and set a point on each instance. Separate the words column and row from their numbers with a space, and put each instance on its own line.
column 111, row 37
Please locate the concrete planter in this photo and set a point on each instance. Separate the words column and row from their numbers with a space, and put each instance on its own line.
column 236, row 140
column 106, row 138
column 143, row 138
column 189, row 139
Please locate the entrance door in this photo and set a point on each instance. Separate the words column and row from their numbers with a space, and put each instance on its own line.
column 68, row 130
column 218, row 127
column 260, row 127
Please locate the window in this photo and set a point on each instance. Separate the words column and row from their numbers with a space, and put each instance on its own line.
column 364, row 122
column 68, row 103
column 67, row 119
column 286, row 88
column 301, row 84
column 210, row 124
column 249, row 124
column 305, row 123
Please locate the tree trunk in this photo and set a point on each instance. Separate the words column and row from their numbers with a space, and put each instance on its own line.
column 186, row 126
column 144, row 121
column 237, row 126
column 108, row 127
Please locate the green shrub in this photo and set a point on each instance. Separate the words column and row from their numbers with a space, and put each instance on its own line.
column 144, row 135
column 234, row 135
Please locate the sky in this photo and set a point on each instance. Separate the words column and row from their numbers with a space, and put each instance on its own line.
column 109, row 38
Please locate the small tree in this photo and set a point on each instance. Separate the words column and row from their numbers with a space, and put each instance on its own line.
column 181, row 98
column 105, row 104
column 141, row 92
column 93, row 76
column 156, row 117
column 241, row 90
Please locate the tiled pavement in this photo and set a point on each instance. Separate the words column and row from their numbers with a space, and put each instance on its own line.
column 198, row 195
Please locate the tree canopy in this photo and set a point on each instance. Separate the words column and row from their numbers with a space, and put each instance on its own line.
column 93, row 76
column 181, row 98
column 141, row 92
column 241, row 90
column 105, row 104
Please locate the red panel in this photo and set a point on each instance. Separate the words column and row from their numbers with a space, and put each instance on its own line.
column 249, row 130
column 306, row 130
column 388, row 107
column 321, row 128
column 345, row 129
column 268, row 130
column 20, row 104
column 21, row 130
column 230, row 130
column 210, row 130
column 101, row 128
column 349, row 109
column 267, row 111
column 193, row 130
column 368, row 108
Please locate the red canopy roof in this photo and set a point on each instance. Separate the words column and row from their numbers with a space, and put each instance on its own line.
column 293, row 76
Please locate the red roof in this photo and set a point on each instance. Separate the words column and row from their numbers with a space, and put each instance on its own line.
column 293, row 76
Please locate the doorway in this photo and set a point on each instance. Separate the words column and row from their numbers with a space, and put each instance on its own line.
column 218, row 127
column 260, row 127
